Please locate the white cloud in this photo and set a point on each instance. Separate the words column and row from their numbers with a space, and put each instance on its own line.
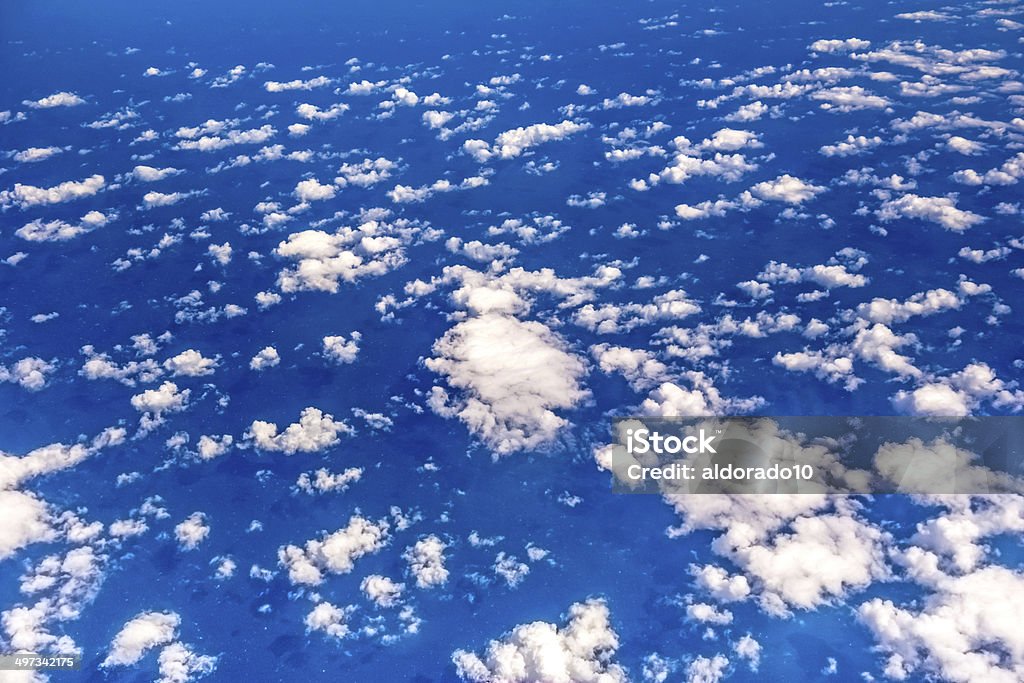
column 149, row 174
column 178, row 664
column 210, row 447
column 707, row 669
column 59, row 231
column 315, row 431
column 266, row 358
column 209, row 143
column 311, row 112
column 851, row 146
column 167, row 398
column 34, row 154
column 846, row 45
column 426, row 562
column 513, row 143
column 487, row 358
column 342, row 350
column 850, row 98
column 317, row 82
column 786, row 188
column 192, row 531
column 328, row 618
column 58, row 99
column 190, row 363
column 28, row 373
column 26, row 520
column 142, row 633
column 581, row 651
column 381, row 590
column 25, row 196
column 333, row 553
column 323, row 481
column 940, row 210
column 310, row 190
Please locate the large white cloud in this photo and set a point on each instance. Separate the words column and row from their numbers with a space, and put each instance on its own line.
column 581, row 651
column 142, row 633
column 333, row 553
column 512, row 376
column 26, row 196
column 315, row 431
column 513, row 143
column 940, row 210
column 426, row 561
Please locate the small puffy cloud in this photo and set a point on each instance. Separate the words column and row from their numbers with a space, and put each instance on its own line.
column 426, row 562
column 311, row 112
column 26, row 520
column 210, row 447
column 192, row 531
column 851, row 146
column 381, row 590
column 964, row 146
column 850, row 98
column 513, row 143
column 333, row 553
column 329, row 619
column 266, row 358
column 844, row 45
column 940, row 210
column 309, row 84
column 28, row 373
column 142, row 633
column 165, row 399
column 26, row 196
column 190, row 363
column 178, row 664
column 341, row 350
column 34, row 154
column 220, row 253
column 786, row 188
column 57, row 99
column 149, row 174
column 323, row 481
column 311, row 190
column 59, row 231
column 581, row 650
column 315, row 431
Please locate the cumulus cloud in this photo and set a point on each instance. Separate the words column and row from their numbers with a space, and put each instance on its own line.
column 940, row 210
column 581, row 651
column 315, row 431
column 192, row 531
column 309, row 84
column 139, row 635
column 341, row 350
column 26, row 196
column 512, row 376
column 513, row 143
column 57, row 99
column 149, row 174
column 381, row 590
column 166, row 399
column 28, row 373
column 333, row 553
column 786, row 188
column 190, row 363
column 426, row 562
column 266, row 358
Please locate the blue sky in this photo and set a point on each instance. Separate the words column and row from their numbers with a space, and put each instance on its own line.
column 314, row 322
